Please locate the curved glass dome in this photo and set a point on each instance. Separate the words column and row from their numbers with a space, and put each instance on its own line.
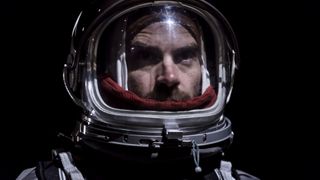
column 149, row 65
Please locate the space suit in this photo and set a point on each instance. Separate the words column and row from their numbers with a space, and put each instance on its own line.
column 153, row 79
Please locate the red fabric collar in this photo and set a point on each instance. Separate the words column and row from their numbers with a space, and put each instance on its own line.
column 119, row 98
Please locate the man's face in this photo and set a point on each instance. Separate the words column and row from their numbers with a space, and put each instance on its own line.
column 163, row 63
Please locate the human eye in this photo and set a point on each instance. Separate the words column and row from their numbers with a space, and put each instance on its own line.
column 144, row 56
column 186, row 56
column 147, row 57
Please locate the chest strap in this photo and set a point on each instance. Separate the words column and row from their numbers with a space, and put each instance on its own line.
column 225, row 171
column 70, row 170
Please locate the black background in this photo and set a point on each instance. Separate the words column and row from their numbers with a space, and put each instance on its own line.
column 274, row 107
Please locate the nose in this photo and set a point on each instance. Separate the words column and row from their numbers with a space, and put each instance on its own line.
column 168, row 73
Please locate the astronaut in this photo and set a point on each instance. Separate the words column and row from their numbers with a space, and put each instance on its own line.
column 153, row 79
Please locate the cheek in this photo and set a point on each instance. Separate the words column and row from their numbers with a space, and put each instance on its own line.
column 140, row 82
column 195, row 79
column 192, row 82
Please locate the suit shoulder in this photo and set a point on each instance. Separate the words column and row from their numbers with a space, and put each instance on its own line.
column 28, row 174
column 245, row 176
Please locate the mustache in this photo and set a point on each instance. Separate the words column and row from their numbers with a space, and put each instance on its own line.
column 162, row 92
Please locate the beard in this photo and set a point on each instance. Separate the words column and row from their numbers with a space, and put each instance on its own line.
column 162, row 92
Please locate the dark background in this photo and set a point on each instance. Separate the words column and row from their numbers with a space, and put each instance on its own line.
column 274, row 107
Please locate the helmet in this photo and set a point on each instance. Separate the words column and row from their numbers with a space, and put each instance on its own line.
column 117, row 73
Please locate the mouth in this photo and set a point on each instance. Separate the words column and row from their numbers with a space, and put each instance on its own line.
column 168, row 94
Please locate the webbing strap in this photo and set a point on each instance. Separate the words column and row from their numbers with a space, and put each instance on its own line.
column 225, row 171
column 71, row 171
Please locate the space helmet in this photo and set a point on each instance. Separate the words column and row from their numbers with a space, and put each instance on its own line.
column 129, row 63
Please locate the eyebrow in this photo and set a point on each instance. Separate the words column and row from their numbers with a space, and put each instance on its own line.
column 193, row 47
column 145, row 46
column 189, row 48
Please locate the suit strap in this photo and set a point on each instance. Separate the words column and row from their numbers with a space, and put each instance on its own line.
column 225, row 171
column 69, row 168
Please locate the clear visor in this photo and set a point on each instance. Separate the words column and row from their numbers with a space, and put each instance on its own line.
column 159, row 58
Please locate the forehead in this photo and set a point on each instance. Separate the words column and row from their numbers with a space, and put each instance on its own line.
column 165, row 33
